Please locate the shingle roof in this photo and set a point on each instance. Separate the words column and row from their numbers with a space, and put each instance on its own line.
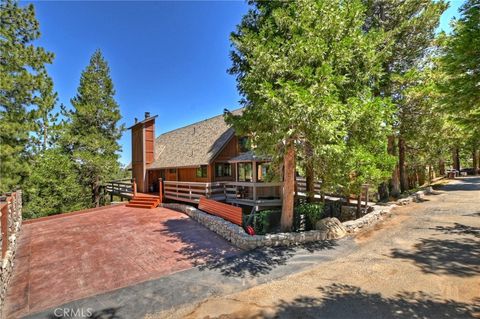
column 192, row 145
column 249, row 157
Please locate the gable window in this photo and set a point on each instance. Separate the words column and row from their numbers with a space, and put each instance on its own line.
column 243, row 144
column 202, row 171
column 223, row 170
column 245, row 172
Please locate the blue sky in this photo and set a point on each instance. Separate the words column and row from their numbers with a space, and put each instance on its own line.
column 168, row 58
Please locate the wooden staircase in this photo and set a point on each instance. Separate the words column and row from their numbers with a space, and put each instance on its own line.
column 140, row 201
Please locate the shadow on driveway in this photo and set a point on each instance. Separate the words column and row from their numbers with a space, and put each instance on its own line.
column 260, row 261
column 463, row 184
column 345, row 301
column 458, row 256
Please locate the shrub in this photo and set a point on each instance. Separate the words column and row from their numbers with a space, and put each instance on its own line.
column 313, row 212
column 263, row 221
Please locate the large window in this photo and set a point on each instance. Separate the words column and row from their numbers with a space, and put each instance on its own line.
column 245, row 172
column 223, row 170
column 262, row 171
column 202, row 171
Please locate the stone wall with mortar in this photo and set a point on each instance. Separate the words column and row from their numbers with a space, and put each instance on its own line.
column 381, row 211
column 237, row 236
column 11, row 216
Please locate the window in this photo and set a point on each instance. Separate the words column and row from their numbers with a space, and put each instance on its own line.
column 223, row 170
column 202, row 171
column 262, row 171
column 243, row 144
column 245, row 172
column 172, row 171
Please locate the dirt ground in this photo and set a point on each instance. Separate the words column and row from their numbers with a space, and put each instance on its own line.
column 423, row 262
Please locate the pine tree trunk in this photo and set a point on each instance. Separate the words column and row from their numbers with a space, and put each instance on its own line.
column 441, row 167
column 309, row 173
column 359, row 205
column 430, row 174
column 475, row 161
column 286, row 221
column 401, row 165
column 456, row 159
column 96, row 193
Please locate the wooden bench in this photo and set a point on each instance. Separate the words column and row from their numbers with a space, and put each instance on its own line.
column 228, row 212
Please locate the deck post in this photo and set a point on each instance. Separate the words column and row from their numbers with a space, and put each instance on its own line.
column 160, row 189
column 134, row 185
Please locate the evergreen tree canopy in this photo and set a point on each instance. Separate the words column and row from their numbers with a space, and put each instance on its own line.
column 22, row 76
column 92, row 133
column 303, row 68
column 53, row 186
column 461, row 64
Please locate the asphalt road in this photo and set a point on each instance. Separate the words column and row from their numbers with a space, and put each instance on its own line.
column 423, row 262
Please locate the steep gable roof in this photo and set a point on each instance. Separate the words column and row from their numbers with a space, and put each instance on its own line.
column 192, row 145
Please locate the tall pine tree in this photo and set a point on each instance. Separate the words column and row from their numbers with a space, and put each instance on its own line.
column 410, row 30
column 92, row 133
column 22, row 77
column 302, row 68
column 461, row 66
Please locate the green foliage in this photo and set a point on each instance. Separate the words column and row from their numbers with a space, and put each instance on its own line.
column 409, row 28
column 461, row 61
column 312, row 211
column 301, row 66
column 460, row 64
column 53, row 186
column 22, row 77
column 92, row 132
column 262, row 221
column 297, row 63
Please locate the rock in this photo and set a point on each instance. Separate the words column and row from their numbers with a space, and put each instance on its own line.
column 332, row 226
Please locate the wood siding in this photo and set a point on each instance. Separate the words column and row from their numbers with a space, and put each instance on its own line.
column 229, row 151
column 149, row 141
column 143, row 142
column 138, row 167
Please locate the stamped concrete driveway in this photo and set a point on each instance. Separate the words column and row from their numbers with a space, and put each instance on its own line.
column 74, row 256
column 423, row 262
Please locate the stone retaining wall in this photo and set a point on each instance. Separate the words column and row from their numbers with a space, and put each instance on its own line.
column 11, row 217
column 380, row 211
column 237, row 236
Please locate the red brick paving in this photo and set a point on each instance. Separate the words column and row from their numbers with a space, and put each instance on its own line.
column 64, row 259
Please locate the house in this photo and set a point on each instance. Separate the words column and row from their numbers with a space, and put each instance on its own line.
column 206, row 159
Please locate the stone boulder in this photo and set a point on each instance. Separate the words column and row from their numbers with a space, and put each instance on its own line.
column 332, row 227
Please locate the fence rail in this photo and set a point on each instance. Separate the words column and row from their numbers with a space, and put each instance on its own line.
column 192, row 191
column 122, row 187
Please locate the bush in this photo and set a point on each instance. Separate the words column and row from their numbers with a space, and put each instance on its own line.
column 313, row 212
column 264, row 221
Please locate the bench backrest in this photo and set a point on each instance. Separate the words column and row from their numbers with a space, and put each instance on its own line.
column 228, row 212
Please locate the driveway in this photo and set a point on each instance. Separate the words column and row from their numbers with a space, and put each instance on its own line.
column 424, row 262
column 69, row 257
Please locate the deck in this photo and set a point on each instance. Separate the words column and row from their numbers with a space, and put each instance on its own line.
column 239, row 193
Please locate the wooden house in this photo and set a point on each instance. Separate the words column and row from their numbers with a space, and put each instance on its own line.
column 206, row 159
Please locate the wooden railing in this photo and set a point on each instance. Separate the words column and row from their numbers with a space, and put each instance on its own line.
column 192, row 191
column 121, row 187
column 244, row 192
column 301, row 184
